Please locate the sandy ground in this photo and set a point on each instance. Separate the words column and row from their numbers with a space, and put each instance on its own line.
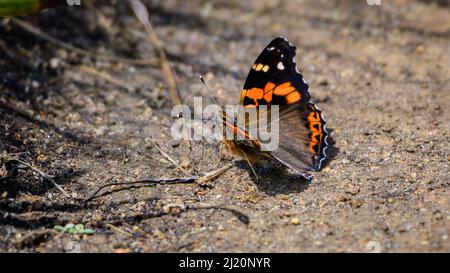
column 379, row 73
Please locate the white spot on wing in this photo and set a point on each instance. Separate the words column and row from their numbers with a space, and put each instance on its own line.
column 280, row 66
column 270, row 48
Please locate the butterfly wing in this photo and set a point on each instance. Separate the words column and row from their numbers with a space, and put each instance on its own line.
column 303, row 138
column 275, row 80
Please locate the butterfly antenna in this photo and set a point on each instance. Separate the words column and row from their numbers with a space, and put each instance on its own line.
column 209, row 91
column 212, row 98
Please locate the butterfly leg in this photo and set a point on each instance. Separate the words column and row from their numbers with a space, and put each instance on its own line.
column 203, row 150
column 222, row 144
column 250, row 164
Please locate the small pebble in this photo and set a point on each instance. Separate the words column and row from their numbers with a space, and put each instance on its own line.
column 438, row 215
column 282, row 196
column 54, row 63
column 295, row 221
column 323, row 81
column 185, row 164
column 3, row 171
column 356, row 203
column 342, row 198
column 345, row 161
column 420, row 49
column 123, row 250
column 352, row 189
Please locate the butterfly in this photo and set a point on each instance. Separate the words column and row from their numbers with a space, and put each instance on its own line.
column 275, row 80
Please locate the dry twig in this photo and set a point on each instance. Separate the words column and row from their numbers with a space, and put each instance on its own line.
column 184, row 180
column 93, row 194
column 107, row 77
column 171, row 160
column 113, row 227
column 142, row 14
column 41, row 173
column 213, row 174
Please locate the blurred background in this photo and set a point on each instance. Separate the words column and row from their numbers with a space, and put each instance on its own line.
column 84, row 90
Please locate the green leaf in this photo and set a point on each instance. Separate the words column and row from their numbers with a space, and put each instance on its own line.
column 71, row 228
column 88, row 231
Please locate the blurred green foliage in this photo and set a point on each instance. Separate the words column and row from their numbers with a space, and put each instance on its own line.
column 20, row 7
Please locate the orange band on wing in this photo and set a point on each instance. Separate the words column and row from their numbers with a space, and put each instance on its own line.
column 293, row 97
column 238, row 130
column 268, row 97
column 314, row 147
column 314, row 117
column 314, row 136
column 315, row 125
column 284, row 89
column 270, row 89
column 255, row 94
column 269, row 86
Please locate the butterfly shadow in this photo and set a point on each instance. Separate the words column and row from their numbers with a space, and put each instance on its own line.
column 275, row 180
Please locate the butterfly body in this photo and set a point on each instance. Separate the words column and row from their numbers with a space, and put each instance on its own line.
column 275, row 80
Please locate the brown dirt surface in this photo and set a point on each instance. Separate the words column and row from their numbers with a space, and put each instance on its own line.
column 379, row 73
